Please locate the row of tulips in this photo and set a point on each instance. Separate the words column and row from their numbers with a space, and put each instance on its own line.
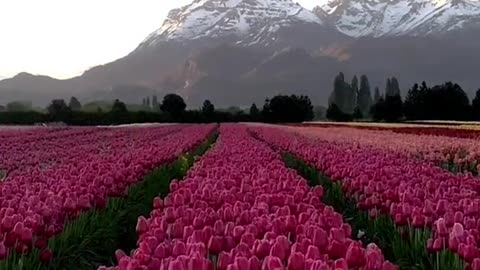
column 36, row 204
column 456, row 154
column 240, row 208
column 27, row 150
column 453, row 130
column 415, row 194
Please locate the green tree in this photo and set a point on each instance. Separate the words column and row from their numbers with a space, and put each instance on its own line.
column 355, row 89
column 19, row 106
column 377, row 95
column 395, row 87
column 58, row 109
column 378, row 110
column 357, row 113
column 173, row 104
column 393, row 111
column 338, row 94
column 74, row 104
column 254, row 112
column 288, row 109
column 476, row 106
column 57, row 106
column 335, row 114
column 118, row 107
column 155, row 105
column 208, row 109
column 392, row 88
column 364, row 95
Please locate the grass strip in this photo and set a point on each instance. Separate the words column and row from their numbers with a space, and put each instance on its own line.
column 403, row 245
column 91, row 239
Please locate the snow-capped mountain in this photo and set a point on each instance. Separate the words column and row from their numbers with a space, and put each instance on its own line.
column 400, row 17
column 247, row 22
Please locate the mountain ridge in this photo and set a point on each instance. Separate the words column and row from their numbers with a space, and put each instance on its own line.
column 288, row 49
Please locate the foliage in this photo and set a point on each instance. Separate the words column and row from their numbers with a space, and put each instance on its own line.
column 208, row 109
column 476, row 106
column 364, row 100
column 58, row 109
column 344, row 94
column 74, row 104
column 173, row 104
column 92, row 238
column 404, row 246
column 19, row 106
column 254, row 112
column 389, row 109
column 119, row 107
column 441, row 102
column 335, row 114
column 357, row 113
column 377, row 95
column 288, row 109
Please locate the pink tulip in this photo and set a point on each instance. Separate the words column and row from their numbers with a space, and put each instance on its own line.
column 296, row 261
column 142, row 225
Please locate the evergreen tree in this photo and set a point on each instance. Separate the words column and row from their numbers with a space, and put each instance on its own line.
column 388, row 88
column 155, row 103
column 208, row 109
column 118, row 107
column 357, row 113
column 441, row 102
column 350, row 98
column 173, row 104
column 365, row 95
column 377, row 95
column 476, row 106
column 393, row 110
column 335, row 114
column 254, row 112
column 355, row 89
column 378, row 110
column 288, row 109
column 58, row 108
column 74, row 104
column 338, row 95
column 392, row 88
column 395, row 87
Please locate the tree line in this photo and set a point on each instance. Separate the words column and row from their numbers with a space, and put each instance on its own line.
column 279, row 109
column 447, row 101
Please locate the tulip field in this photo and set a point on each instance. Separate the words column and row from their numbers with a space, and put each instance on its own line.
column 239, row 196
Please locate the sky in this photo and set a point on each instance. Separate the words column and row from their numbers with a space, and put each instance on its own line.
column 63, row 38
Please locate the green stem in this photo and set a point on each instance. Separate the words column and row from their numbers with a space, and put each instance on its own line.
column 91, row 239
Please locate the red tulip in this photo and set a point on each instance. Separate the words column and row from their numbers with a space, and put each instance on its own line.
column 441, row 227
column 355, row 255
column 46, row 256
column 296, row 261
column 242, row 263
column 142, row 225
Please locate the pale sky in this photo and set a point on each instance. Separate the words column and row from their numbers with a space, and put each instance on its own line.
column 62, row 38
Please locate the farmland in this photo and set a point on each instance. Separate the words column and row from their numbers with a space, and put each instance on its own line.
column 240, row 196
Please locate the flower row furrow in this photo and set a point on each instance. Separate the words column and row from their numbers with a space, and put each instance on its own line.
column 415, row 194
column 52, row 147
column 239, row 207
column 35, row 205
column 462, row 153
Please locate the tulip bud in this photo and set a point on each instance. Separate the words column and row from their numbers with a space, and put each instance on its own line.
column 46, row 256
column 142, row 225
column 296, row 261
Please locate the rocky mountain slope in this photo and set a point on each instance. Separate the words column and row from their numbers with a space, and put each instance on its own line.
column 379, row 18
column 235, row 52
